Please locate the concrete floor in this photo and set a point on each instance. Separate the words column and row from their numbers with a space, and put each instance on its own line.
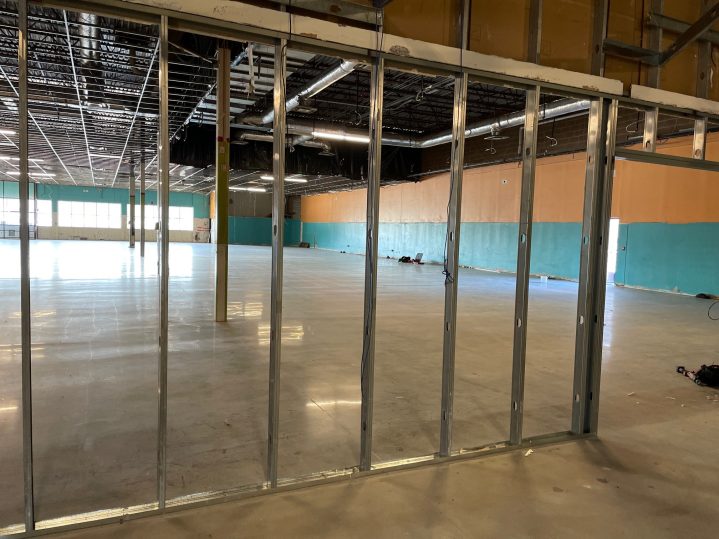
column 94, row 346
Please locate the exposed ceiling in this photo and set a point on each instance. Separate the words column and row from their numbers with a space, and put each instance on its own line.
column 93, row 100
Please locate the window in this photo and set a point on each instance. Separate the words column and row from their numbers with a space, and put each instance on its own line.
column 181, row 218
column 10, row 211
column 89, row 214
column 43, row 213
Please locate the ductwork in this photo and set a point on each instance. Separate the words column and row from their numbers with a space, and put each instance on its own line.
column 556, row 109
column 295, row 140
column 310, row 130
column 89, row 38
column 316, row 86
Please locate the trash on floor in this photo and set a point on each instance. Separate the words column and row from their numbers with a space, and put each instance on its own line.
column 528, row 452
column 706, row 375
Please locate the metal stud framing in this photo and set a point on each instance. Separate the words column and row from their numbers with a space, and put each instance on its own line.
column 524, row 243
column 131, row 209
column 700, row 138
column 370, row 278
column 454, row 220
column 222, row 180
column 600, row 17
column 604, row 214
column 278, row 223
column 593, row 188
column 534, row 43
column 590, row 314
column 163, row 240
column 25, row 319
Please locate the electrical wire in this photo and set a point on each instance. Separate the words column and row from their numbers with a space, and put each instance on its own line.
column 709, row 312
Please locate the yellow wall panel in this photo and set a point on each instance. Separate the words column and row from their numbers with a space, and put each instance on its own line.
column 567, row 35
column 500, row 28
column 434, row 21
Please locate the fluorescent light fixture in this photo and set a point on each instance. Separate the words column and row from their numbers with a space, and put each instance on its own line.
column 105, row 156
column 340, row 136
column 7, row 132
column 8, row 408
column 296, row 180
column 267, row 178
column 252, row 189
column 35, row 174
column 8, row 158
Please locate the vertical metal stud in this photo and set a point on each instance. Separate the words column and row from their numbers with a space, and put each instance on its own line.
column 222, row 180
column 142, row 202
column 131, row 209
column 163, row 192
column 651, row 119
column 278, row 221
column 600, row 272
column 465, row 8
column 535, row 31
column 529, row 151
column 451, row 268
column 600, row 17
column 655, row 44
column 594, row 168
column 25, row 316
column 700, row 138
column 370, row 278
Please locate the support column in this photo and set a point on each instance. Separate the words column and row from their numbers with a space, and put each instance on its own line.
column 278, row 222
column 222, row 180
column 593, row 188
column 25, row 316
column 163, row 240
column 370, row 276
column 535, row 31
column 142, row 203
column 451, row 267
column 599, row 33
column 529, row 158
column 704, row 69
column 651, row 117
column 131, row 211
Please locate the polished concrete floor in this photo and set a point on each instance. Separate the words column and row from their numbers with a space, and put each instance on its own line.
column 94, row 376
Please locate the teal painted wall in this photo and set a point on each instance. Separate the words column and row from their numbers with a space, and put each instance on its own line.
column 258, row 231
column 492, row 246
column 676, row 257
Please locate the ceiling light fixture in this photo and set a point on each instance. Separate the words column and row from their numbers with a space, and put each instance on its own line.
column 340, row 136
column 251, row 189
column 7, row 132
column 267, row 178
column 296, row 180
column 34, row 174
column 8, row 158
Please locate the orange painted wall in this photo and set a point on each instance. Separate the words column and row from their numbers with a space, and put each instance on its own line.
column 501, row 28
column 642, row 193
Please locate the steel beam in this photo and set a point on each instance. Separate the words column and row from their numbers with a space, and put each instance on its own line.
column 25, row 314
column 666, row 160
column 524, row 244
column 692, row 33
column 131, row 210
column 655, row 45
column 534, row 45
column 465, row 8
column 451, row 266
column 604, row 215
column 278, row 223
column 600, row 16
column 679, row 27
column 370, row 276
column 222, row 180
column 704, row 67
column 590, row 247
column 163, row 240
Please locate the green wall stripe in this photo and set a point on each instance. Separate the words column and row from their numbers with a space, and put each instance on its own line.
column 492, row 246
column 258, row 231
column 662, row 256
